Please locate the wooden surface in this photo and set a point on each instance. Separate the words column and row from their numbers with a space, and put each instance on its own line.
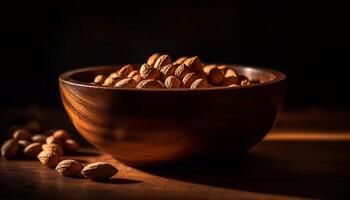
column 291, row 163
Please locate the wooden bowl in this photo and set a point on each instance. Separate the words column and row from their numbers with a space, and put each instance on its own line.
column 149, row 127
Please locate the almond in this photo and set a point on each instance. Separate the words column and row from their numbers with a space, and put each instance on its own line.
column 150, row 83
column 199, row 83
column 22, row 134
column 215, row 76
column 125, row 70
column 181, row 71
column 99, row 79
column 230, row 80
column 137, row 78
column 189, row 79
column 38, row 138
column 24, row 143
column 110, row 81
column 166, row 71
column 153, row 58
column 49, row 158
column 61, row 134
column 223, row 68
column 53, row 147
column 10, row 148
column 149, row 72
column 126, row 83
column 133, row 73
column 231, row 72
column 194, row 64
column 69, row 167
column 245, row 82
column 70, row 146
column 99, row 171
column 180, row 60
column 53, row 140
column 32, row 150
column 233, row 85
column 162, row 61
column 207, row 68
column 173, row 82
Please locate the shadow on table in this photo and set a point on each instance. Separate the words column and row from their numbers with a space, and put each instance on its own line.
column 303, row 169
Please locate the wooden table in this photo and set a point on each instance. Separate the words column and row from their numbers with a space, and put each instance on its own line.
column 293, row 162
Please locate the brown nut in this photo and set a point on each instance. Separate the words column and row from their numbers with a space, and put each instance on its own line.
column 32, row 150
column 199, row 83
column 53, row 147
column 126, row 83
column 22, row 134
column 234, row 85
column 38, row 138
column 133, row 73
column 70, row 146
column 153, row 58
column 166, row 71
column 23, row 143
column 61, row 134
column 223, row 68
column 10, row 148
column 69, row 167
column 150, row 83
column 125, row 70
column 137, row 78
column 173, row 82
column 180, row 60
column 149, row 72
column 110, row 81
column 181, row 71
column 207, row 68
column 49, row 158
column 99, row 171
column 215, row 76
column 194, row 64
column 99, row 79
column 189, row 79
column 231, row 72
column 245, row 82
column 230, row 80
column 162, row 61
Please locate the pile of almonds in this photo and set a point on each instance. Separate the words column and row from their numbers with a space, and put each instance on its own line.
column 161, row 72
column 50, row 149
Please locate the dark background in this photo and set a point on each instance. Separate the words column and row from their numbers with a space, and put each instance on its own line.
column 43, row 39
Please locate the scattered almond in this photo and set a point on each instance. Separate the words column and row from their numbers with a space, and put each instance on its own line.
column 38, row 138
column 99, row 171
column 61, row 134
column 70, row 146
column 22, row 134
column 53, row 147
column 32, row 150
column 49, row 158
column 10, row 148
column 69, row 167
column 53, row 140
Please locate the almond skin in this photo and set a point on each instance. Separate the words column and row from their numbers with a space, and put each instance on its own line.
column 10, row 148
column 110, row 81
column 149, row 72
column 49, row 158
column 231, row 72
column 38, row 138
column 125, row 70
column 22, row 134
column 162, row 61
column 99, row 171
column 223, row 68
column 194, row 64
column 215, row 76
column 153, row 58
column 207, row 68
column 99, row 79
column 53, row 147
column 181, row 71
column 180, row 60
column 69, row 167
column 150, row 83
column 133, row 73
column 173, row 82
column 126, row 83
column 61, row 134
column 53, row 140
column 32, row 150
column 70, row 146
column 166, row 71
column 199, row 83
column 189, row 79
column 138, row 78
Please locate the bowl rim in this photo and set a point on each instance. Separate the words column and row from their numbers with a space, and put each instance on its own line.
column 65, row 77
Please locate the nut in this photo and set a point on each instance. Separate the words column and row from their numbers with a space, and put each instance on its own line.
column 233, row 85
column 162, row 61
column 110, row 81
column 153, row 58
column 215, row 76
column 32, row 150
column 173, row 82
column 22, row 134
column 199, row 83
column 24, row 143
column 245, row 82
column 230, row 80
column 125, row 70
column 189, row 79
column 231, row 72
column 53, row 140
column 126, row 83
column 99, row 171
column 69, row 167
column 10, row 148
column 70, row 146
column 148, row 72
column 223, row 68
column 49, row 158
column 166, row 71
column 53, row 147
column 38, row 138
column 207, row 68
column 133, row 73
column 180, row 60
column 99, row 79
column 61, row 134
column 181, row 71
column 194, row 64
column 150, row 83
column 32, row 127
column 137, row 78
